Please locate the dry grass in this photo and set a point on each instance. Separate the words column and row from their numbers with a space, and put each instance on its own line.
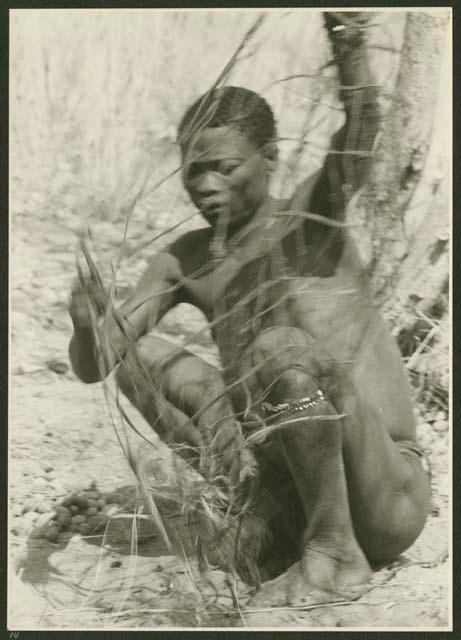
column 108, row 106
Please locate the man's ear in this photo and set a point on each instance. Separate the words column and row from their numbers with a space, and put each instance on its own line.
column 270, row 153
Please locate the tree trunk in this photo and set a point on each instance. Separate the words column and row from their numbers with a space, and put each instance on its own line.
column 400, row 215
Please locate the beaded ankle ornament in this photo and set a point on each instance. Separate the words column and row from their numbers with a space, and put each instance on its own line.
column 295, row 405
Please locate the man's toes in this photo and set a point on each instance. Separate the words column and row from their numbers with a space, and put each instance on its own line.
column 277, row 592
column 291, row 588
column 271, row 594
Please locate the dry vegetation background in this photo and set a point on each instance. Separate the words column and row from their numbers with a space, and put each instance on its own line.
column 95, row 98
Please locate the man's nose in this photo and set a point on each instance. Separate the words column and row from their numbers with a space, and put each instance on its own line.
column 209, row 183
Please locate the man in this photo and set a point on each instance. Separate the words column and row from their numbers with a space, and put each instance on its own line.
column 310, row 373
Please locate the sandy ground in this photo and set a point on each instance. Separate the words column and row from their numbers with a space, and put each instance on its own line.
column 61, row 438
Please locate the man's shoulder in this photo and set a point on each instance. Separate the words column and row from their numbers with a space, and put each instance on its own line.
column 191, row 249
column 191, row 240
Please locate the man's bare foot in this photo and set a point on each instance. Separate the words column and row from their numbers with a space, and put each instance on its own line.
column 316, row 578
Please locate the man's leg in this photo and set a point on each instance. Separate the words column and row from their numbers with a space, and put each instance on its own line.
column 326, row 462
column 185, row 401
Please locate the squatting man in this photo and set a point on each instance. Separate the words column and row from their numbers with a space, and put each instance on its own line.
column 340, row 486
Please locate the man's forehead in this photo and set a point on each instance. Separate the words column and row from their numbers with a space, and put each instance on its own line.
column 214, row 142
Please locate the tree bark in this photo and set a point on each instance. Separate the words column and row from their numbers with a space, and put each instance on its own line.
column 400, row 159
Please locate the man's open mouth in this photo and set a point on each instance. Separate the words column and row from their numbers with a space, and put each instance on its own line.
column 211, row 209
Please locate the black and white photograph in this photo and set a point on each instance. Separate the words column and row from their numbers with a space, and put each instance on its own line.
column 230, row 319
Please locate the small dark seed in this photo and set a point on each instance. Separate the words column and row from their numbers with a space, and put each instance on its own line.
column 57, row 366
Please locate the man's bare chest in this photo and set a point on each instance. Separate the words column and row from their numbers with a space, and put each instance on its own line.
column 241, row 298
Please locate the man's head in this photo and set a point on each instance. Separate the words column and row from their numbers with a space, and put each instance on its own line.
column 227, row 140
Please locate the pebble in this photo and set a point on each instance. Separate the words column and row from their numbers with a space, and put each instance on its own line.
column 52, row 534
column 440, row 426
column 36, row 533
column 74, row 509
column 425, row 435
column 59, row 489
column 439, row 448
column 80, row 487
column 15, row 523
column 40, row 482
column 57, row 366
column 44, row 507
column 45, row 518
column 30, row 516
column 22, row 527
column 20, row 559
column 101, row 503
column 91, row 511
column 49, row 469
column 29, row 505
column 424, row 426
column 16, row 510
column 84, row 528
column 441, row 415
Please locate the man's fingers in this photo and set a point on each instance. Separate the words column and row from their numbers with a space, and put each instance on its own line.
column 86, row 293
column 189, row 434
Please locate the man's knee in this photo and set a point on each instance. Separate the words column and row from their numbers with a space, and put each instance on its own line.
column 286, row 363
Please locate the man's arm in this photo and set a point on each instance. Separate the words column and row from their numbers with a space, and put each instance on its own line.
column 156, row 293
column 347, row 163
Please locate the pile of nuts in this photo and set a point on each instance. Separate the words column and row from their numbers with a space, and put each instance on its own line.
column 86, row 512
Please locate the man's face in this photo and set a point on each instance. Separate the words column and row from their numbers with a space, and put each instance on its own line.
column 225, row 175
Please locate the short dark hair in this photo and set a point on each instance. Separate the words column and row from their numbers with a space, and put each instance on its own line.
column 236, row 107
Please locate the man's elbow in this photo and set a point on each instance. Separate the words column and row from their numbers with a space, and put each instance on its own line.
column 87, row 372
column 87, row 376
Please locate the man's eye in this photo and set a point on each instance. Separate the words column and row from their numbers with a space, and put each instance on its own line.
column 193, row 170
column 227, row 168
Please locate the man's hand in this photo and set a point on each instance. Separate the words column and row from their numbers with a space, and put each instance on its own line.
column 88, row 301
